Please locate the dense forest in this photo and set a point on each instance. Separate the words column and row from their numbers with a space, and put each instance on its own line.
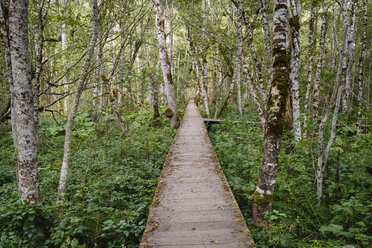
column 92, row 93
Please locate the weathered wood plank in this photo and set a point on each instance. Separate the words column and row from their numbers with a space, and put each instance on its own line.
column 193, row 205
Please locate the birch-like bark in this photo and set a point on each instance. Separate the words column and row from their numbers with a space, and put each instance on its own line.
column 339, row 78
column 165, row 64
column 72, row 112
column 267, row 35
column 238, row 85
column 322, row 47
column 336, row 48
column 263, row 194
column 361, row 66
column 64, row 48
column 351, row 55
column 169, row 31
column 295, row 23
column 28, row 182
column 96, row 92
column 258, row 66
column 312, row 48
column 243, row 62
column 204, row 65
column 323, row 156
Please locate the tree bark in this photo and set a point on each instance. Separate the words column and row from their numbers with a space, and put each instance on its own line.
column 263, row 195
column 351, row 53
column 361, row 66
column 322, row 47
column 238, row 85
column 24, row 110
column 266, row 28
column 72, row 113
column 295, row 23
column 165, row 65
column 312, row 48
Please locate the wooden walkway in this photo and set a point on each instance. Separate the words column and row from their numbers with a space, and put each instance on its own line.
column 194, row 206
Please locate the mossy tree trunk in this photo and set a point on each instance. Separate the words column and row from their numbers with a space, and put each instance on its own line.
column 263, row 194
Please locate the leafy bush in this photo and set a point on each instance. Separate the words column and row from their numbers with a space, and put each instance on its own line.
column 111, row 182
column 344, row 217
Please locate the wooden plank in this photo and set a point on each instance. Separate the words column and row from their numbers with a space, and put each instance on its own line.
column 194, row 206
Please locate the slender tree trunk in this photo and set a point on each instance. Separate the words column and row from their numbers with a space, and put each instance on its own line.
column 72, row 113
column 4, row 25
column 263, row 195
column 312, row 48
column 266, row 28
column 238, row 85
column 24, row 110
column 98, row 82
column 258, row 65
column 351, row 53
column 204, row 65
column 295, row 23
column 361, row 66
column 245, row 67
column 155, row 94
column 166, row 68
column 323, row 156
column 64, row 48
column 42, row 14
column 336, row 48
column 322, row 47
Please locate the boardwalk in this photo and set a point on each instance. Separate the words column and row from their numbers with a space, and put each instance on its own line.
column 193, row 205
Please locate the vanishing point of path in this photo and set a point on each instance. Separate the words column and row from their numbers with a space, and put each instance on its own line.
column 193, row 205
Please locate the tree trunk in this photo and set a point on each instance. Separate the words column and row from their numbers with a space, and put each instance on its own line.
column 238, row 85
column 312, row 48
column 322, row 47
column 72, row 113
column 295, row 23
column 266, row 28
column 155, row 94
column 258, row 66
column 245, row 67
column 64, row 48
column 263, row 195
column 24, row 117
column 4, row 25
column 165, row 65
column 351, row 53
column 361, row 66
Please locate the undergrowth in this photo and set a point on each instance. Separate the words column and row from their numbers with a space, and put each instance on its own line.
column 112, row 179
column 343, row 218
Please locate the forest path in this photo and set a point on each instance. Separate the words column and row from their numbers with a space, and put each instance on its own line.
column 194, row 206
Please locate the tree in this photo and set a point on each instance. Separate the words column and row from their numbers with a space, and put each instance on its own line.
column 263, row 194
column 165, row 65
column 23, row 111
column 72, row 114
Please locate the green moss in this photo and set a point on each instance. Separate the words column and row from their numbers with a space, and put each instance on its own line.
column 264, row 200
column 168, row 112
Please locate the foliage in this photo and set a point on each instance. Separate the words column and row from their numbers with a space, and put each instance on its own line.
column 296, row 221
column 111, row 183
